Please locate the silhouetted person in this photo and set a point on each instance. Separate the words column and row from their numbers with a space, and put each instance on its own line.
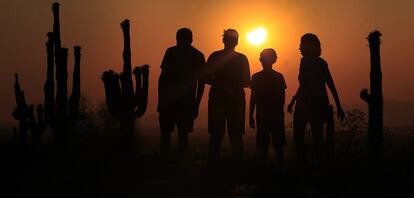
column 312, row 103
column 180, row 91
column 268, row 94
column 228, row 74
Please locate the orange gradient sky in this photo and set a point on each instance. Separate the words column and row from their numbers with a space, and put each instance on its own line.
column 94, row 24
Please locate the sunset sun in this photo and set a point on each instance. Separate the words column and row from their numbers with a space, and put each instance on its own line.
column 257, row 36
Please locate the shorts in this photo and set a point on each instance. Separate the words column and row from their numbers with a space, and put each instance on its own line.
column 276, row 128
column 183, row 119
column 226, row 111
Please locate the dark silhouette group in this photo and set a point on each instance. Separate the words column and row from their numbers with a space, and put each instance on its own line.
column 181, row 86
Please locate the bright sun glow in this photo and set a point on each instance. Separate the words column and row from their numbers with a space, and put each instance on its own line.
column 257, row 36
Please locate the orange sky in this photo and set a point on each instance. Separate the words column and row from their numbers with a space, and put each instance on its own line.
column 94, row 24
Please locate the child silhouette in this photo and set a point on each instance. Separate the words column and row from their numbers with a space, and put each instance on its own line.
column 268, row 94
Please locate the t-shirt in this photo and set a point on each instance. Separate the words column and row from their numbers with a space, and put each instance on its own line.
column 313, row 75
column 268, row 88
column 180, row 71
column 227, row 72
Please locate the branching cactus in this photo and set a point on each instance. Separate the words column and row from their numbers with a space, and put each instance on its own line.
column 25, row 114
column 122, row 102
column 375, row 104
column 59, row 112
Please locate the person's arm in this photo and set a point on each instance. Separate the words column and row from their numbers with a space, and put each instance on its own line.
column 161, row 80
column 293, row 100
column 252, row 122
column 208, row 71
column 200, row 89
column 246, row 72
column 332, row 88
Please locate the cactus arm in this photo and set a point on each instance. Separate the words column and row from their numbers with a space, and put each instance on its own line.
column 56, row 26
column 112, row 93
column 61, row 88
column 138, row 84
column 49, row 87
column 364, row 95
column 142, row 96
column 21, row 111
column 75, row 96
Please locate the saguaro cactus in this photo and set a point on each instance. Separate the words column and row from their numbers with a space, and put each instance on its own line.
column 122, row 102
column 375, row 104
column 63, row 114
column 27, row 119
column 21, row 113
column 59, row 113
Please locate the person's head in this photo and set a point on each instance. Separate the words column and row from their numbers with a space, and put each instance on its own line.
column 310, row 45
column 230, row 38
column 184, row 36
column 268, row 57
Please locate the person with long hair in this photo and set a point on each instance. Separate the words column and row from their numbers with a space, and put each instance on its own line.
column 311, row 98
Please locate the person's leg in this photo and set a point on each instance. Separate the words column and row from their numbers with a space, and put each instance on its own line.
column 216, row 127
column 235, row 124
column 262, row 144
column 236, row 142
column 279, row 141
column 185, row 126
column 166, row 126
column 280, row 156
column 214, row 146
column 317, row 136
column 330, row 135
column 299, row 125
column 182, row 142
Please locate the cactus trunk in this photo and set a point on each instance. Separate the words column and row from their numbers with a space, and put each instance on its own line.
column 375, row 105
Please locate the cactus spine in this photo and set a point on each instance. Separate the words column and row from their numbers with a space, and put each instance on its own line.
column 375, row 104
column 122, row 102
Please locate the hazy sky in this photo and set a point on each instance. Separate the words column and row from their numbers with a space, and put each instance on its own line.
column 342, row 27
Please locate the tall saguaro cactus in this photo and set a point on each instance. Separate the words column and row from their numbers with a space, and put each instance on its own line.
column 59, row 112
column 375, row 104
column 122, row 102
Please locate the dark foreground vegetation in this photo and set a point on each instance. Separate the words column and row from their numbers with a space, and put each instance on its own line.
column 96, row 166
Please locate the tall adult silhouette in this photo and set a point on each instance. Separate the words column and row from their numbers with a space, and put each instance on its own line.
column 179, row 90
column 312, row 103
column 228, row 74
